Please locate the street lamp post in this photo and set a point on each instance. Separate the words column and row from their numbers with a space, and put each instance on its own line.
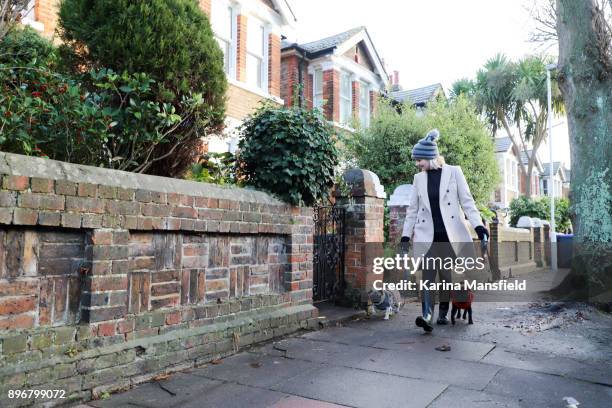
column 551, row 187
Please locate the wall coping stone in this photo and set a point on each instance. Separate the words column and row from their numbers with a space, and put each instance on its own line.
column 20, row 165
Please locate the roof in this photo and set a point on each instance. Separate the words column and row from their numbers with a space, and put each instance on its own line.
column 546, row 168
column 502, row 144
column 418, row 96
column 325, row 44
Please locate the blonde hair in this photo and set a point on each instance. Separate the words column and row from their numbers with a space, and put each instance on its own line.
column 437, row 163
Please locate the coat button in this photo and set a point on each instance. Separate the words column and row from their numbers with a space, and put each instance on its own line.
column 422, row 209
column 423, row 220
column 448, row 191
column 448, row 203
column 452, row 216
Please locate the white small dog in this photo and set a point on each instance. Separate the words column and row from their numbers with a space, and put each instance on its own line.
column 387, row 301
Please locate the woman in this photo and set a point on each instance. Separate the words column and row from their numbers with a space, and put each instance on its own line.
column 434, row 221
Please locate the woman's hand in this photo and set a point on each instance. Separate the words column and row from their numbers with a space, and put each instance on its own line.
column 482, row 231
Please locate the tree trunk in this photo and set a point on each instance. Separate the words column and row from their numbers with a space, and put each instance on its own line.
column 586, row 85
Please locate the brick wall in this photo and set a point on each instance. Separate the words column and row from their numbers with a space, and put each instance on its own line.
column 241, row 47
column 109, row 278
column 205, row 5
column 241, row 102
column 331, row 94
column 274, row 57
column 290, row 78
column 355, row 102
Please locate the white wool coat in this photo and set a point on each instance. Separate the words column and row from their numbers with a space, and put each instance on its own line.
column 456, row 202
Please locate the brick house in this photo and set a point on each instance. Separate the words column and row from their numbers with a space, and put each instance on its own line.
column 513, row 182
column 560, row 179
column 249, row 34
column 342, row 75
column 418, row 97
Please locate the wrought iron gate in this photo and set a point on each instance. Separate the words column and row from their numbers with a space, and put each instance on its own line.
column 328, row 257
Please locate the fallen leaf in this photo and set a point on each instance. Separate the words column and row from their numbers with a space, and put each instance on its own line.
column 255, row 365
column 216, row 362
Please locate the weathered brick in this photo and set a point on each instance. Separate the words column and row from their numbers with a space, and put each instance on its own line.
column 65, row 187
column 159, row 197
column 105, row 283
column 104, row 313
column 41, row 185
column 17, row 304
column 106, row 329
column 143, row 196
column 14, row 344
column 92, row 221
column 41, row 341
column 8, row 199
column 41, row 201
column 126, row 194
column 64, row 335
column 71, row 220
column 107, row 192
column 49, row 218
column 102, row 252
column 87, row 190
column 102, row 237
column 6, row 215
column 85, row 204
column 23, row 216
column 129, row 222
column 18, row 183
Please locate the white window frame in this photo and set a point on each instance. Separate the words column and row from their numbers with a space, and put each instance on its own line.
column 344, row 99
column 230, row 70
column 364, row 108
column 262, row 82
column 545, row 187
column 317, row 94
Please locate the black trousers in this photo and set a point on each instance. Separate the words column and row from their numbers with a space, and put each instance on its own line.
column 433, row 268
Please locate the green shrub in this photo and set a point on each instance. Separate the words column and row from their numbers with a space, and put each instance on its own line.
column 386, row 146
column 169, row 40
column 216, row 168
column 288, row 152
column 115, row 121
column 540, row 208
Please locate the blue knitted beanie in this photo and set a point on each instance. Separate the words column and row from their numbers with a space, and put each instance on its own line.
column 427, row 148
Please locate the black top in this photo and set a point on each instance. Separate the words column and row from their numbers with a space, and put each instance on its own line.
column 433, row 192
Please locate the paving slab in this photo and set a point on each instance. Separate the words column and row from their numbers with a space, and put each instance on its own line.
column 551, row 364
column 346, row 335
column 322, row 352
column 431, row 367
column 174, row 391
column 546, row 390
column 292, row 401
column 359, row 388
column 460, row 349
column 231, row 395
column 258, row 370
column 461, row 398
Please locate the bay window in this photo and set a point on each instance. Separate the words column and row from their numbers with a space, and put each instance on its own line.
column 256, row 59
column 345, row 98
column 317, row 94
column 223, row 25
column 364, row 104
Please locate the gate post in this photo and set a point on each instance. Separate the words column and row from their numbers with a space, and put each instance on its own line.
column 364, row 230
column 398, row 203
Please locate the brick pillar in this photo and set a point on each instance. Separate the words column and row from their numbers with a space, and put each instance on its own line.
column 298, row 275
column 241, row 50
column 205, row 6
column 288, row 78
column 398, row 204
column 308, row 90
column 373, row 101
column 355, row 101
column 547, row 244
column 45, row 12
column 494, row 248
column 105, row 293
column 364, row 230
column 274, row 64
column 538, row 247
column 331, row 95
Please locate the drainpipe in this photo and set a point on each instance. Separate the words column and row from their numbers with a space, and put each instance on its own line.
column 300, row 73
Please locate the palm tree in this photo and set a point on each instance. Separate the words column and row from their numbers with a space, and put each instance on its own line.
column 531, row 116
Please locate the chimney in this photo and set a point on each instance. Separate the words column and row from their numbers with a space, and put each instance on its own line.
column 395, row 77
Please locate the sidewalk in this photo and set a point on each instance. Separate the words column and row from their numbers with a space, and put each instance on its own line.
column 515, row 355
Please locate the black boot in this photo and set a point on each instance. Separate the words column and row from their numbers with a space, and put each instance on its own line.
column 442, row 313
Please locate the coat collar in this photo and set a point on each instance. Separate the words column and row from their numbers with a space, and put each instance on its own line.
column 444, row 180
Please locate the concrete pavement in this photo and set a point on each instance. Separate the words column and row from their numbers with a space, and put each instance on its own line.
column 527, row 354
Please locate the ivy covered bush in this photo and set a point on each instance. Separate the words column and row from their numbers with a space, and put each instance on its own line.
column 172, row 43
column 288, row 152
column 97, row 118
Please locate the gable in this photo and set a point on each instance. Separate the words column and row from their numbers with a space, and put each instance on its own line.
column 360, row 55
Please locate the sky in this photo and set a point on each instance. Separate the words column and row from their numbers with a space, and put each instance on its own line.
column 431, row 41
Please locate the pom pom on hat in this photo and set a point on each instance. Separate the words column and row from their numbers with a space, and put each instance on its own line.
column 427, row 148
